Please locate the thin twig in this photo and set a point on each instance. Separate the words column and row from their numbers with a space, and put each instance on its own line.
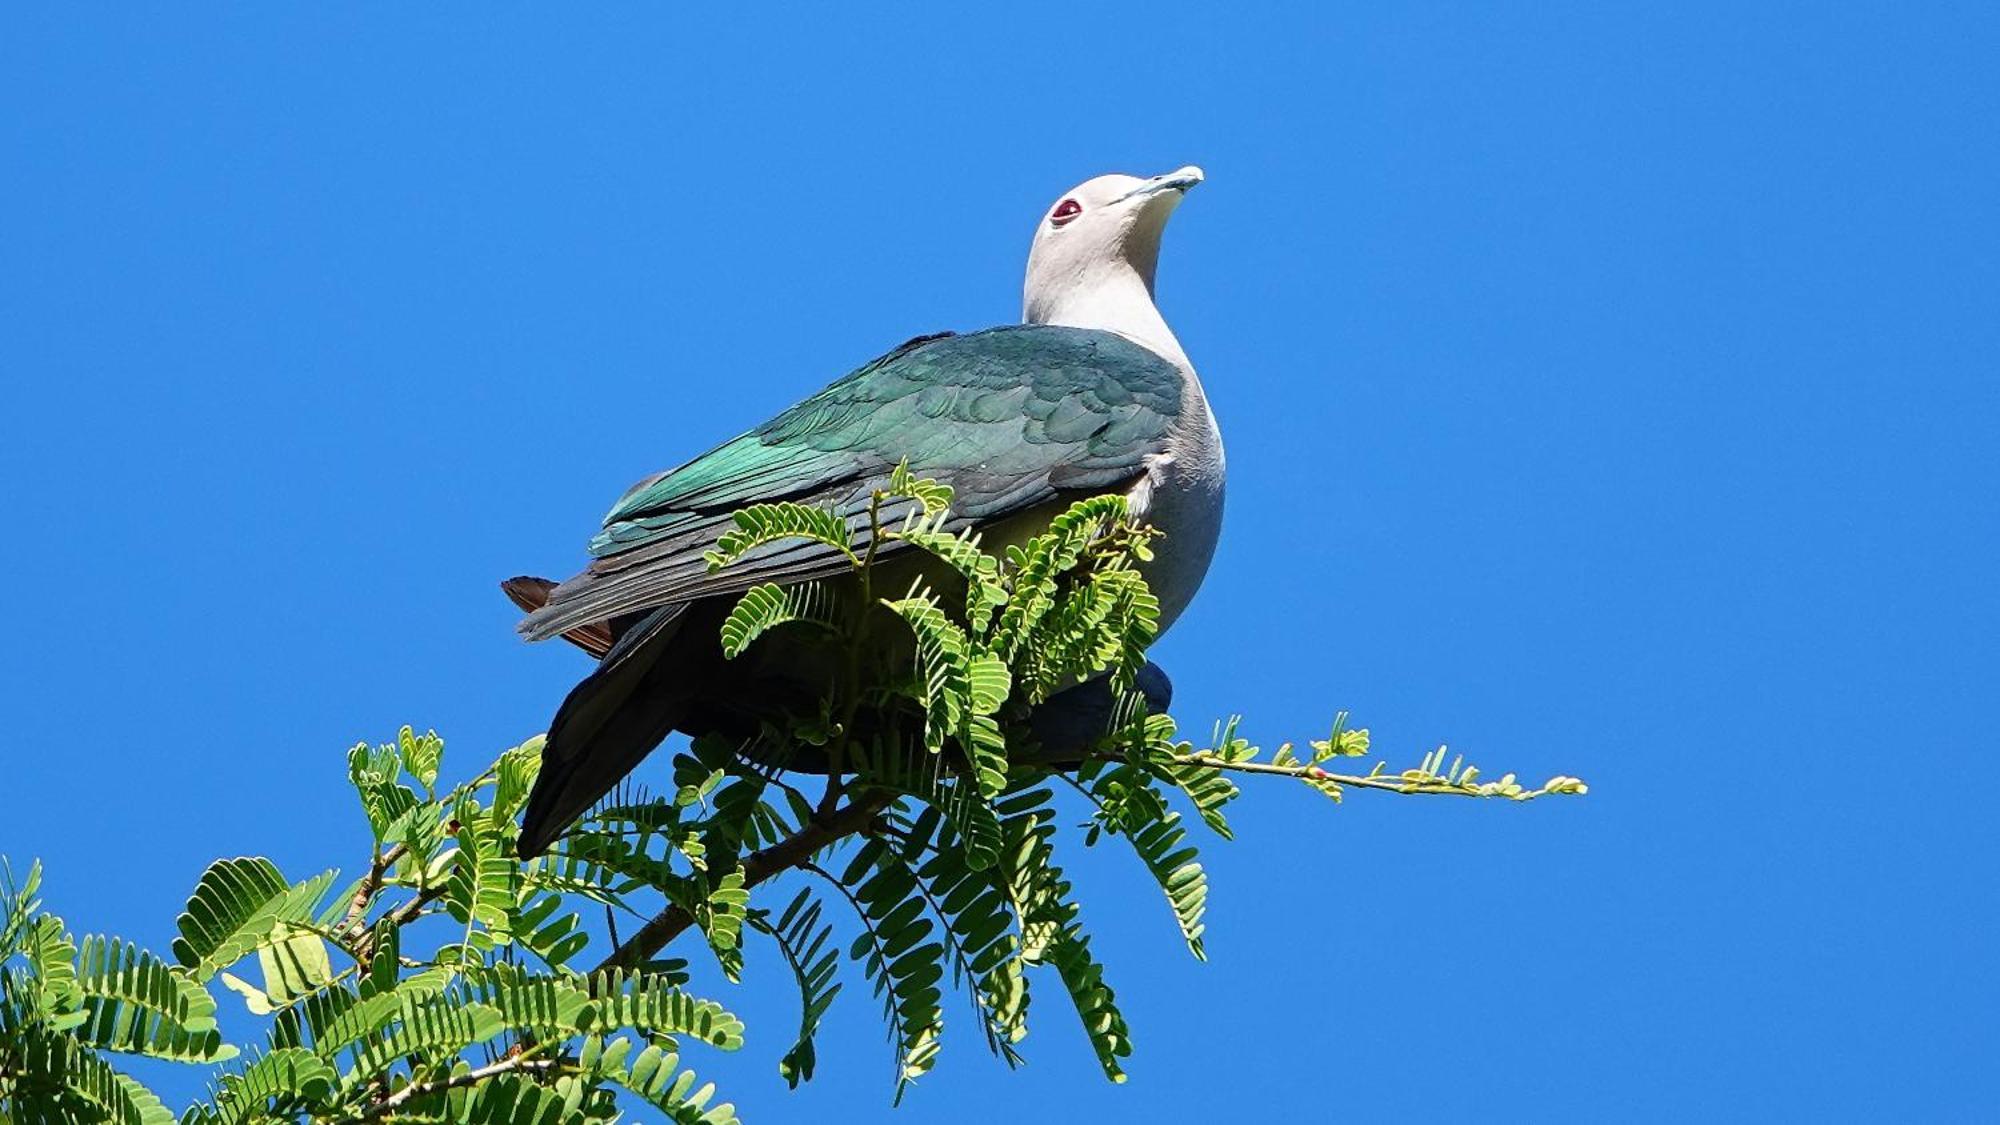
column 1390, row 783
column 364, row 945
column 395, row 1101
column 792, row 851
column 357, row 910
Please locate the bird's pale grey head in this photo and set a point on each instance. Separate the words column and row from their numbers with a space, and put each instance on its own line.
column 1095, row 252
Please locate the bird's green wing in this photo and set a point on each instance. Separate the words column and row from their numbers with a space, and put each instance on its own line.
column 1010, row 418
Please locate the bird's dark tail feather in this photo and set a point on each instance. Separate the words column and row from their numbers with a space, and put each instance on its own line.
column 606, row 726
column 531, row 594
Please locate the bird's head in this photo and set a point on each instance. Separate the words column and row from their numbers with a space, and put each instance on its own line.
column 1096, row 248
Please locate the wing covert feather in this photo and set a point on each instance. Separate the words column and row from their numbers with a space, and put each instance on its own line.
column 1011, row 418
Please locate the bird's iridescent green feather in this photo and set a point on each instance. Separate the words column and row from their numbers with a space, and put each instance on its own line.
column 1010, row 418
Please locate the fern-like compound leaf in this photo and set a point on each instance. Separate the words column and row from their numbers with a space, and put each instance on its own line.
column 767, row 606
column 985, row 589
column 137, row 1003
column 484, row 884
column 278, row 1085
column 933, row 496
column 654, row 1004
column 656, row 1077
column 56, row 1078
column 899, row 956
column 804, row 940
column 763, row 524
column 234, row 908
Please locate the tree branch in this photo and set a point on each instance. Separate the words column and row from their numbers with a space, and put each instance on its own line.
column 364, row 943
column 395, row 1101
column 1408, row 782
column 357, row 910
column 793, row 851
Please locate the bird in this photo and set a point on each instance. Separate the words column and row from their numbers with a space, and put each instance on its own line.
column 1091, row 393
column 1063, row 726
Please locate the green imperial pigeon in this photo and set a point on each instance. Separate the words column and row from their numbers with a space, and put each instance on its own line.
column 1092, row 394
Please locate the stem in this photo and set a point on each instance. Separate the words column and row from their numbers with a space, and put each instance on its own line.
column 856, row 642
column 357, row 910
column 364, row 945
column 775, row 778
column 1387, row 783
column 793, row 851
column 1078, row 786
column 523, row 1061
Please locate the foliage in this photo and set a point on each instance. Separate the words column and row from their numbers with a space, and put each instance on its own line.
column 448, row 983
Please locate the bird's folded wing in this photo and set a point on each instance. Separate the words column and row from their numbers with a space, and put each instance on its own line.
column 1010, row 418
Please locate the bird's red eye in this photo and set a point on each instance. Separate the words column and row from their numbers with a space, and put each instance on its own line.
column 1065, row 211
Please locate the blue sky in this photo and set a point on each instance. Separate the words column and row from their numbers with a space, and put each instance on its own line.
column 1608, row 391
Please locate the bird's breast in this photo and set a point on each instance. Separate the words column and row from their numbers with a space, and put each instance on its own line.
column 1184, row 493
column 1186, row 507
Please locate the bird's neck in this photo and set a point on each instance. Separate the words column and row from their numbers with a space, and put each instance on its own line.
column 1118, row 299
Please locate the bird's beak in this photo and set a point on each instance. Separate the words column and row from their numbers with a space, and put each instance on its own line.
column 1180, row 180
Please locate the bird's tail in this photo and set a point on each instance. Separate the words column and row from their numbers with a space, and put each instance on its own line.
column 606, row 726
column 531, row 594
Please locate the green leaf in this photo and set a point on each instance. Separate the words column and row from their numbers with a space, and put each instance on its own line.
column 943, row 661
column 1164, row 847
column 55, row 1078
column 972, row 903
column 135, row 1002
column 484, row 883
column 375, row 773
column 1034, row 885
column 1049, row 927
column 985, row 592
column 1134, row 621
column 384, row 963
column 990, row 682
column 919, row 774
column 987, row 748
column 763, row 524
column 541, row 924
column 721, row 921
column 934, row 496
column 1037, row 564
column 515, row 777
column 438, row 1027
column 51, row 956
column 1129, row 805
column 959, row 690
column 804, row 942
column 1095, row 1004
column 763, row 608
column 1207, row 787
column 1341, row 742
column 655, row 1076
column 339, row 1019
column 898, row 954
column 17, row 906
column 653, row 1003
column 294, row 962
column 234, row 908
column 421, row 756
column 280, row 1085
column 255, row 999
column 544, row 1006
column 510, row 1099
